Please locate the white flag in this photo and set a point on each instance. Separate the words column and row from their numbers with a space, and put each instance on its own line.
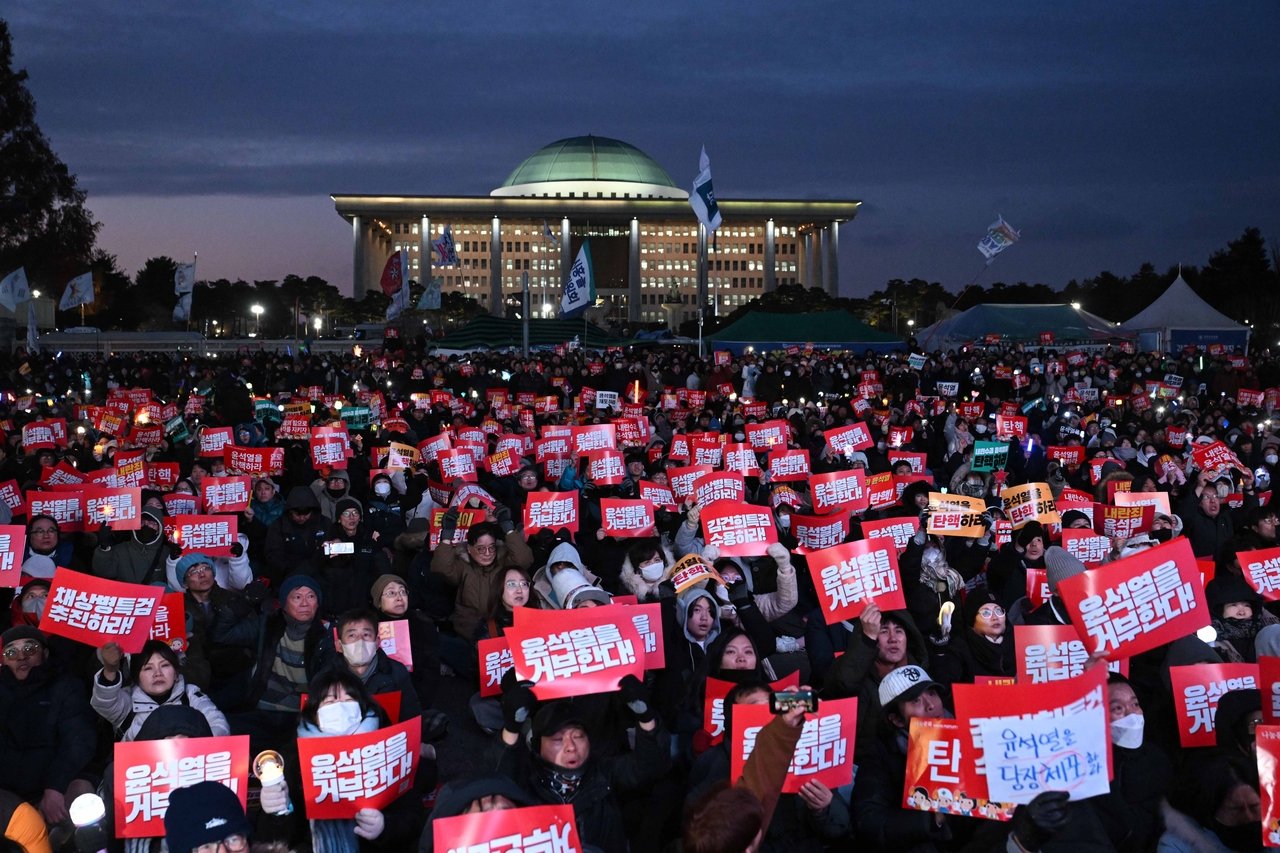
column 79, row 292
column 33, row 341
column 1000, row 236
column 445, row 249
column 703, row 198
column 430, row 299
column 400, row 299
column 14, row 289
column 549, row 234
column 182, row 311
column 580, row 289
column 184, row 279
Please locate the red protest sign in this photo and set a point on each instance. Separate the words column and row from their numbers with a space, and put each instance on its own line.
column 647, row 619
column 738, row 529
column 119, row 509
column 93, row 610
column 1261, row 569
column 180, row 503
column 552, row 510
column 11, row 495
column 718, row 486
column 881, row 491
column 768, row 434
column 61, row 474
column 575, row 652
column 1086, row 546
column 38, row 435
column 900, row 530
column 341, row 775
column 849, row 439
column 847, row 577
column 1123, row 521
column 1269, row 684
column 713, row 702
column 824, row 753
column 627, row 518
column 457, row 464
column 170, row 626
column 131, row 469
column 1070, row 456
column 495, row 660
column 682, row 479
column 212, row 535
column 788, row 465
column 1011, row 427
column 1196, row 691
column 1053, row 653
column 226, row 494
column 162, row 475
column 707, row 449
column 593, row 437
column 393, row 639
column 660, row 496
column 294, row 427
column 147, row 772
column 840, row 490
column 213, row 439
column 328, row 450
column 915, row 460
column 937, row 779
column 815, row 532
column 1268, row 743
column 1215, row 456
column 741, row 457
column 605, row 467
column 1138, row 603
column 254, row 461
column 534, row 828
column 13, row 543
column 66, row 508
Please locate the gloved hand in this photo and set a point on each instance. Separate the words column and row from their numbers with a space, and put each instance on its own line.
column 739, row 595
column 711, row 553
column 449, row 524
column 779, row 553
column 666, row 590
column 1034, row 824
column 517, row 701
column 105, row 537
column 256, row 592
column 237, row 550
column 920, row 534
column 636, row 697
column 369, row 824
column 175, row 551
column 275, row 798
column 502, row 514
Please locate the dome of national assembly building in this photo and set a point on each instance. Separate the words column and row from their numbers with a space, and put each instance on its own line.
column 589, row 167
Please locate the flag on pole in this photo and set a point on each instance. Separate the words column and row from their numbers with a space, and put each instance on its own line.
column 33, row 340
column 703, row 199
column 14, row 289
column 444, row 248
column 430, row 299
column 1000, row 236
column 79, row 292
column 549, row 234
column 393, row 274
column 580, row 289
column 184, row 279
column 182, row 310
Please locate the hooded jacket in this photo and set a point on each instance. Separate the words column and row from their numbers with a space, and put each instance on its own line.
column 128, row 708
column 130, row 560
column 328, row 503
column 631, row 579
column 294, row 548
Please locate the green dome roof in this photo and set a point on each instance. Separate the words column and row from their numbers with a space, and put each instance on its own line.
column 589, row 158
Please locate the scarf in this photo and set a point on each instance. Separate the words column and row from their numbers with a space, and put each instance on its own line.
column 564, row 783
column 338, row 835
column 294, row 629
column 989, row 656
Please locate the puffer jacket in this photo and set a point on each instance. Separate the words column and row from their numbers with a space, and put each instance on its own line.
column 475, row 584
column 127, row 708
column 47, row 732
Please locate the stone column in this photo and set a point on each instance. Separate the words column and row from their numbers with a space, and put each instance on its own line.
column 496, row 308
column 633, row 274
column 424, row 251
column 770, row 259
column 824, row 241
column 359, row 259
column 831, row 263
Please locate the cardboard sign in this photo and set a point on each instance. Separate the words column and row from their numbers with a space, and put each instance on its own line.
column 393, row 639
column 1261, row 569
column 1020, row 740
column 214, row 439
column 1053, row 653
column 719, row 486
column 575, row 652
column 1268, row 743
column 849, row 439
column 147, row 772
column 786, row 466
column 226, row 494
column 534, row 828
column 956, row 515
column 341, row 775
column 716, row 689
column 840, row 490
column 815, row 532
column 170, row 626
column 93, row 610
column 495, row 660
column 212, row 535
column 13, row 543
column 605, row 467
column 937, row 779
column 119, row 509
column 1122, row 521
column 1138, row 603
column 1030, row 502
column 552, row 510
column 738, row 529
column 989, row 456
column 768, row 434
column 660, row 496
column 627, row 518
column 1196, row 691
column 1086, row 546
column 66, row 508
column 254, row 461
column 900, row 530
column 849, row 576
column 824, row 753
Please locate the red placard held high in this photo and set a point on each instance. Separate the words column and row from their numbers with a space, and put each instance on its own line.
column 824, row 753
column 849, row 576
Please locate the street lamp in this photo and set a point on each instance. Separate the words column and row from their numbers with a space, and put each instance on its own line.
column 317, row 323
column 1075, row 305
column 35, row 294
column 257, row 318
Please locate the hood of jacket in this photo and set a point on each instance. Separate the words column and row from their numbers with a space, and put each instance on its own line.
column 685, row 600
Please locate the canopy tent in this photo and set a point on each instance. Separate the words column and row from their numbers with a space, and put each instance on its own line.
column 1179, row 318
column 1020, row 324
column 763, row 330
column 489, row 332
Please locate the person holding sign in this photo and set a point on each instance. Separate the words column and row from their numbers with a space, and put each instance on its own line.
column 1142, row 769
column 155, row 680
column 47, row 550
column 984, row 643
column 293, row 543
column 1007, row 572
column 135, row 556
column 350, row 560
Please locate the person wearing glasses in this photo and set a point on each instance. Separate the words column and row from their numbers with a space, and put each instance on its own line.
column 48, row 732
column 984, row 644
column 46, row 549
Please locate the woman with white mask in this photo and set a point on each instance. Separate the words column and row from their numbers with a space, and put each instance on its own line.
column 1142, row 770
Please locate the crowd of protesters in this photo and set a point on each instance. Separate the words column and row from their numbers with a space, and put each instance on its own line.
column 289, row 615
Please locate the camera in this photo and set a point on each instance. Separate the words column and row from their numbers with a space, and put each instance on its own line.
column 784, row 700
column 335, row 548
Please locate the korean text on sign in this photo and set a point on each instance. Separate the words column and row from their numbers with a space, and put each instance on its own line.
column 824, row 752
column 535, row 829
column 1196, row 691
column 495, row 660
column 851, row 575
column 575, row 652
column 93, row 610
column 341, row 775
column 738, row 529
column 147, row 772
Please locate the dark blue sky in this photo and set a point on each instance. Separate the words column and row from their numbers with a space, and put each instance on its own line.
column 1110, row 133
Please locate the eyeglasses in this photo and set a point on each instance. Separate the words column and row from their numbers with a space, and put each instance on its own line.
column 485, row 549
column 27, row 649
column 199, row 569
column 43, row 531
column 517, row 584
column 991, row 612
column 233, row 843
column 350, row 513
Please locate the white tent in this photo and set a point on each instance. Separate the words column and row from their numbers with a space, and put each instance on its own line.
column 1179, row 318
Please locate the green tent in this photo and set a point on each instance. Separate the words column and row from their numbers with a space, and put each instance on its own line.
column 762, row 330
column 490, row 332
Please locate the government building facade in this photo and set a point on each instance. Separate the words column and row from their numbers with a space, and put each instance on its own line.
column 643, row 234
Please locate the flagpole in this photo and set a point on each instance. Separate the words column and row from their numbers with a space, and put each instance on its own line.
column 195, row 259
column 524, row 326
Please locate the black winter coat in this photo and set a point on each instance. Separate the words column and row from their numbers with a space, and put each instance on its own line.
column 47, row 731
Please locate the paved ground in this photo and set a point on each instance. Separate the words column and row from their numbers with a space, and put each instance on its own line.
column 466, row 747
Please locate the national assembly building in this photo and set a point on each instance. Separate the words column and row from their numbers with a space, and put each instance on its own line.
column 644, row 237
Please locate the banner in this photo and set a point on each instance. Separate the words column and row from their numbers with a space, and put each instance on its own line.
column 900, row 530
column 93, row 610
column 552, row 510
column 579, row 285
column 212, row 535
column 824, row 753
column 148, row 771
column 847, row 577
column 937, row 779
column 627, row 518
column 840, row 490
column 341, row 775
column 713, row 702
column 1000, row 236
column 226, row 494
column 989, row 456
column 719, row 486
column 533, row 829
column 575, row 652
column 1030, row 502
column 1138, row 603
column 1196, row 691
column 815, row 532
column 13, row 543
column 738, row 529
column 955, row 515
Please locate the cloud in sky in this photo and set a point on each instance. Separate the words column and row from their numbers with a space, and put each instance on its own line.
column 1111, row 134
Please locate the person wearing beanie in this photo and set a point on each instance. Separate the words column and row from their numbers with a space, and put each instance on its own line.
column 476, row 792
column 292, row 644
column 135, row 556
column 294, row 540
column 28, row 602
column 205, row 813
column 390, row 596
column 1007, row 571
column 233, row 572
column 351, row 559
column 384, row 511
column 1235, row 609
column 1059, row 564
column 47, row 729
column 983, row 645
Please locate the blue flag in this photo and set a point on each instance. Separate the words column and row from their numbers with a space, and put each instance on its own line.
column 703, row 198
column 580, row 289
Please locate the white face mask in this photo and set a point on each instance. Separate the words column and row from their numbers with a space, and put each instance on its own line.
column 1271, row 459
column 784, row 521
column 359, row 653
column 1126, row 732
column 382, row 489
column 338, row 718
column 980, row 428
column 652, row 571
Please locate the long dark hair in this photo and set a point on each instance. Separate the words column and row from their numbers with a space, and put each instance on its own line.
column 323, row 683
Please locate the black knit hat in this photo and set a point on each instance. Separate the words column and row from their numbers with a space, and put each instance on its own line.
column 23, row 632
column 203, row 813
